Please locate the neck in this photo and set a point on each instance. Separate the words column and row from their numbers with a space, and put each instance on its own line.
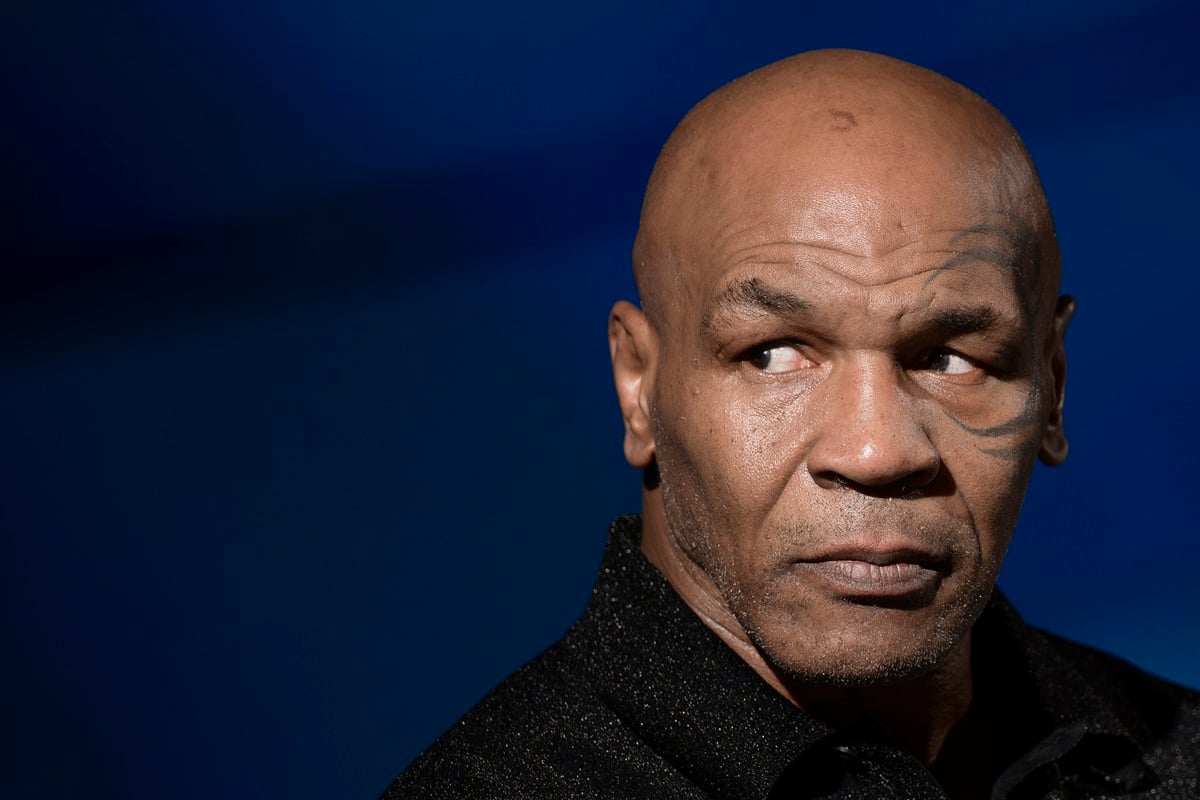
column 919, row 713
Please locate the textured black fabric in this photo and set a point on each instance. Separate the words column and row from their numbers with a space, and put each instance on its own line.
column 640, row 700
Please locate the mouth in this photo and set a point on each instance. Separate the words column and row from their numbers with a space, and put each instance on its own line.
column 883, row 577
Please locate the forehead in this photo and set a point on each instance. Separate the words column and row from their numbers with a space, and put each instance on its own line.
column 887, row 247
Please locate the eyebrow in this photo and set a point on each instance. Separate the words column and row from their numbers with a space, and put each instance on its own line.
column 752, row 296
column 976, row 319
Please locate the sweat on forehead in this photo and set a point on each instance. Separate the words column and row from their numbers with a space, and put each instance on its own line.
column 886, row 144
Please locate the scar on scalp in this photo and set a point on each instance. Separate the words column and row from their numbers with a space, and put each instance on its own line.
column 845, row 120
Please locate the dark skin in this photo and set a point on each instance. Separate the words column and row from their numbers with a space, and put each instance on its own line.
column 849, row 357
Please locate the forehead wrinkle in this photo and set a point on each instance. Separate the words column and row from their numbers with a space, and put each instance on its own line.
column 749, row 295
column 753, row 297
column 863, row 281
column 754, row 258
column 729, row 234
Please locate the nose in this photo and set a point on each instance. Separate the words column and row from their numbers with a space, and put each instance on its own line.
column 871, row 435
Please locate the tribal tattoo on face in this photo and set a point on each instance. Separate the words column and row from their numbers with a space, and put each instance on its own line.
column 1020, row 257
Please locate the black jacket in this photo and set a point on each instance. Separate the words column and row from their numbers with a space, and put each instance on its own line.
column 640, row 700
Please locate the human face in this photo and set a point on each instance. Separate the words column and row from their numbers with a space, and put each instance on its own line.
column 848, row 395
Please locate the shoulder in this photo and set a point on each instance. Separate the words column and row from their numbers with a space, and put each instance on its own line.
column 1133, row 691
column 1164, row 717
column 1129, row 719
column 544, row 732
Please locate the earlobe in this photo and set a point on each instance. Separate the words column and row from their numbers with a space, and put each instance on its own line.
column 633, row 345
column 1053, row 450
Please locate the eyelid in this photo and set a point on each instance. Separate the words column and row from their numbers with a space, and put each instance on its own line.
column 985, row 352
column 969, row 362
column 745, row 353
column 794, row 359
column 1003, row 362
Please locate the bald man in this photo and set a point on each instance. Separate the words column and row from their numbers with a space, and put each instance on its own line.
column 848, row 357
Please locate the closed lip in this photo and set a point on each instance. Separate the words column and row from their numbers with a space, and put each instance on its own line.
column 882, row 556
column 907, row 575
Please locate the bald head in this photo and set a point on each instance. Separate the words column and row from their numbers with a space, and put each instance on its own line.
column 857, row 138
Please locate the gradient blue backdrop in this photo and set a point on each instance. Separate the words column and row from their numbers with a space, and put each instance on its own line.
column 308, row 436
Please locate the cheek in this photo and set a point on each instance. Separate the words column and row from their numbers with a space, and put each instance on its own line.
column 744, row 448
column 992, row 462
column 992, row 489
column 772, row 426
column 724, row 460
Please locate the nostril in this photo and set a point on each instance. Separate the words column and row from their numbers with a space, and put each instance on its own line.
column 909, row 486
column 831, row 480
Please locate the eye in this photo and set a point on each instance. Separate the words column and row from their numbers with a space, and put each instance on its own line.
column 949, row 363
column 777, row 358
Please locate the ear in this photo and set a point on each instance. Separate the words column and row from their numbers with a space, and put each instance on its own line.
column 633, row 344
column 1053, row 450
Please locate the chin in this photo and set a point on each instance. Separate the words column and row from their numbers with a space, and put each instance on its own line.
column 854, row 671
column 864, row 654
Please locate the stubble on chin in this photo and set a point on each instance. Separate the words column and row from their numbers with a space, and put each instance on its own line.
column 858, row 651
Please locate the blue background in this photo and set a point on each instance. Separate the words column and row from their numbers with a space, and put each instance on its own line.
column 308, row 435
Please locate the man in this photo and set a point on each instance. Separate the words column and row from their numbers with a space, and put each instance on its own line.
column 849, row 355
